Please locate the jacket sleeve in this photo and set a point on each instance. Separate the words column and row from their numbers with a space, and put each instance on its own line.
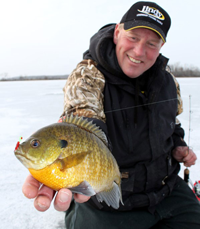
column 83, row 92
column 179, row 133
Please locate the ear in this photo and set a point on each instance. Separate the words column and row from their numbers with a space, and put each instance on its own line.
column 116, row 34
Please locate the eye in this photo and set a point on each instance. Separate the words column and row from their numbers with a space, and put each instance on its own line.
column 153, row 45
column 35, row 143
column 63, row 143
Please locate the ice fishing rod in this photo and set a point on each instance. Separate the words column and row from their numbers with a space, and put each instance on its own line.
column 187, row 171
column 196, row 185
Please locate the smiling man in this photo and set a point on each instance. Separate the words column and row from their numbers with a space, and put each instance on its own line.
column 136, row 49
column 122, row 85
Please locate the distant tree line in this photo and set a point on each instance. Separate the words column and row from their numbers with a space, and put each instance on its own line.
column 177, row 69
column 20, row 78
column 186, row 71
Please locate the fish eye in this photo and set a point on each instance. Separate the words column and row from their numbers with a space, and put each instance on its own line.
column 35, row 143
column 63, row 143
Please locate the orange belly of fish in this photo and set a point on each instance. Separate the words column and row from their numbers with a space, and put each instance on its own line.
column 55, row 178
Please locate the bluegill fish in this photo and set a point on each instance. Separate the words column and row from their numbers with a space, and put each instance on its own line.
column 74, row 155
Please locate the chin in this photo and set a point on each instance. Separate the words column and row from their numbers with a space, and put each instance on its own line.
column 131, row 75
column 133, row 72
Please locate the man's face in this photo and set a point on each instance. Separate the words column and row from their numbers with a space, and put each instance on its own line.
column 136, row 50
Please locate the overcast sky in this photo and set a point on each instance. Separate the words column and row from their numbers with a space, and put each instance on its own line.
column 48, row 37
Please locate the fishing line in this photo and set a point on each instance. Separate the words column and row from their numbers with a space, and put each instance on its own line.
column 190, row 112
column 187, row 171
column 195, row 186
column 147, row 104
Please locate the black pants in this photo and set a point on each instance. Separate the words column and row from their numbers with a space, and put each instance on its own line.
column 180, row 210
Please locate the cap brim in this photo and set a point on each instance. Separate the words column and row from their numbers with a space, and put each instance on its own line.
column 147, row 25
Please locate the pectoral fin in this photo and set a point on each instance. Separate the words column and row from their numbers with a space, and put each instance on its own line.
column 84, row 188
column 72, row 160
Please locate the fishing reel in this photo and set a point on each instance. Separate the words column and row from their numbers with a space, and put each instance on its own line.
column 195, row 186
column 196, row 189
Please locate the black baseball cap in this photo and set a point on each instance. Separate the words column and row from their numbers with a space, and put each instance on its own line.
column 147, row 15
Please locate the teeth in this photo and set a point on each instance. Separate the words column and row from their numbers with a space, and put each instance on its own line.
column 134, row 60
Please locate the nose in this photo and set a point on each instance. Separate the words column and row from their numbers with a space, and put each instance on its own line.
column 139, row 49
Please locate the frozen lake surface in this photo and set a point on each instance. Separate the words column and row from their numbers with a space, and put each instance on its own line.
column 26, row 106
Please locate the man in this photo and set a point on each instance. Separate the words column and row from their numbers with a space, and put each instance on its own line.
column 122, row 85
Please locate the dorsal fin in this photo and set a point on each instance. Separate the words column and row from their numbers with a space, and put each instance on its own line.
column 86, row 125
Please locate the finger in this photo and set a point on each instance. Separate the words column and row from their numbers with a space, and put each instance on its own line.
column 183, row 151
column 188, row 157
column 191, row 156
column 189, row 164
column 81, row 198
column 44, row 198
column 190, row 161
column 30, row 187
column 63, row 200
column 180, row 152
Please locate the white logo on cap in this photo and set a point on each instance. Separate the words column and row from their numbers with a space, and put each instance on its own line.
column 153, row 12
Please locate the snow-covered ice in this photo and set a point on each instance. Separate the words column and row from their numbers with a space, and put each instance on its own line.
column 26, row 106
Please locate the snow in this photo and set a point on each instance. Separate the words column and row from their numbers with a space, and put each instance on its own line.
column 26, row 106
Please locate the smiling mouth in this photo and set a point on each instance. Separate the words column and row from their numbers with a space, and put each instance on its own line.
column 134, row 60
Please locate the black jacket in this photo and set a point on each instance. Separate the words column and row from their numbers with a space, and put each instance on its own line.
column 140, row 123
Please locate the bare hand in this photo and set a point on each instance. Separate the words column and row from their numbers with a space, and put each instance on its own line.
column 185, row 155
column 44, row 195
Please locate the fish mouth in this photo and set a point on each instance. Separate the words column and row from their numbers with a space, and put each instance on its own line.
column 27, row 162
column 20, row 156
column 23, row 159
